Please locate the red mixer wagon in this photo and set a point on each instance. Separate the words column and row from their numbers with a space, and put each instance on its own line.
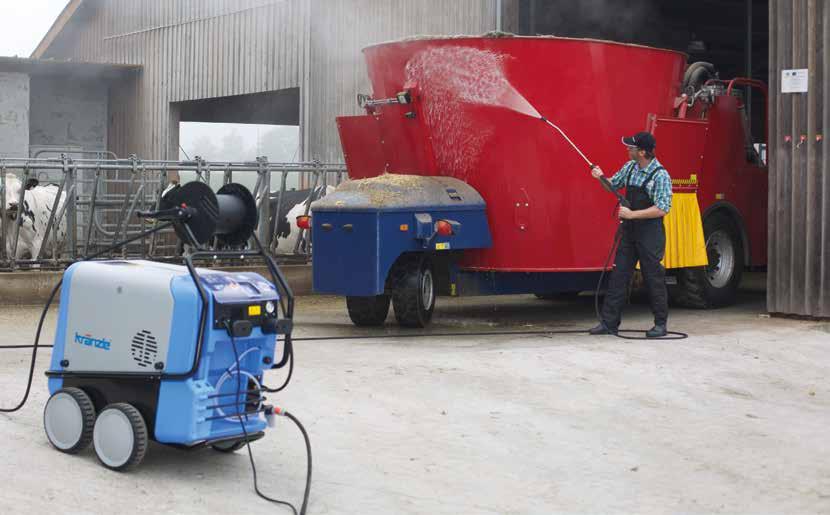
column 458, row 189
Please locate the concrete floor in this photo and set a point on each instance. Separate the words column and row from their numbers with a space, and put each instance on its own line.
column 732, row 420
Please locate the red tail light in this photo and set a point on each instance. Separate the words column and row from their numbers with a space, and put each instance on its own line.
column 304, row 222
column 443, row 228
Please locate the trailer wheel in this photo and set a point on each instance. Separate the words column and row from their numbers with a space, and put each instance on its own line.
column 228, row 446
column 368, row 311
column 68, row 419
column 413, row 296
column 120, row 436
column 717, row 284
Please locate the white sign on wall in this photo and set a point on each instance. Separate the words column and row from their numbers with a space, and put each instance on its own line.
column 794, row 81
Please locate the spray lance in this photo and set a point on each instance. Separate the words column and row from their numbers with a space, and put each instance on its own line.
column 623, row 202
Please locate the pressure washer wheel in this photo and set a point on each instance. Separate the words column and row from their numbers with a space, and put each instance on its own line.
column 228, row 445
column 413, row 296
column 368, row 311
column 120, row 436
column 68, row 418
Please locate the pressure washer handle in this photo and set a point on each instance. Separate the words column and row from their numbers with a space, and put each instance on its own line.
column 604, row 180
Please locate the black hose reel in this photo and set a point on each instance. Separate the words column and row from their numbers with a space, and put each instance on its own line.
column 198, row 214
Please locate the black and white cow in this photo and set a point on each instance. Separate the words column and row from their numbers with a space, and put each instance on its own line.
column 33, row 216
column 294, row 204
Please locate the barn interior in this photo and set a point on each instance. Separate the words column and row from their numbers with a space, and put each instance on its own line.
column 733, row 35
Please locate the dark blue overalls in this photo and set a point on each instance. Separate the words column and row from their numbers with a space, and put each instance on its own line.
column 643, row 241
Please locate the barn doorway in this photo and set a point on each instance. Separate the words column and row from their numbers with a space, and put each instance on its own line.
column 240, row 128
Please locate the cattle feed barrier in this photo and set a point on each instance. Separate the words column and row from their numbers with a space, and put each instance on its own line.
column 75, row 206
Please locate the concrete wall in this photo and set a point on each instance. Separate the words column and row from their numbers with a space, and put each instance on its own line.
column 14, row 114
column 68, row 114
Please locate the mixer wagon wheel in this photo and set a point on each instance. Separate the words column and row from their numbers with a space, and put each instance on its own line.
column 68, row 418
column 414, row 291
column 368, row 311
column 120, row 436
column 715, row 285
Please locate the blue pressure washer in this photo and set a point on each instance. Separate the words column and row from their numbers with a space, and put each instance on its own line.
column 176, row 354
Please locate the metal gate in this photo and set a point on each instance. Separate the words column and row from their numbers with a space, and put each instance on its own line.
column 96, row 199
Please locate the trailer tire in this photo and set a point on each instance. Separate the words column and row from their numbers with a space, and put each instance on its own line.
column 368, row 311
column 414, row 291
column 715, row 285
column 228, row 446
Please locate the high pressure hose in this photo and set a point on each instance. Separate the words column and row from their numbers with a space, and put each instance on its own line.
column 292, row 418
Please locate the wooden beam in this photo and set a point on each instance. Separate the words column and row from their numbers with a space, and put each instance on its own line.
column 57, row 27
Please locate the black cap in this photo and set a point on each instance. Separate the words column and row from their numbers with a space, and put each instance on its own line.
column 642, row 140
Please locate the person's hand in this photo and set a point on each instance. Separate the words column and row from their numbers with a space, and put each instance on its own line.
column 626, row 213
column 596, row 172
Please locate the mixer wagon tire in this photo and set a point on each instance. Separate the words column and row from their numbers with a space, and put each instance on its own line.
column 368, row 311
column 228, row 446
column 68, row 418
column 413, row 296
column 120, row 437
column 715, row 285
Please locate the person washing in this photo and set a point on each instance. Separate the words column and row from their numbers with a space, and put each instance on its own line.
column 649, row 192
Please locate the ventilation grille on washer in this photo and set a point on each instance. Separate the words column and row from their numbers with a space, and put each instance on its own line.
column 144, row 349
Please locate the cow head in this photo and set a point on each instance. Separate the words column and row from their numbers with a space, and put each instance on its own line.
column 12, row 196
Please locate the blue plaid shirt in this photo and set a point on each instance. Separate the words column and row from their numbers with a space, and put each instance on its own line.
column 659, row 188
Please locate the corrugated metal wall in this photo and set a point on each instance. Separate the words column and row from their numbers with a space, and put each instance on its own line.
column 193, row 49
column 189, row 49
column 341, row 28
column 798, row 280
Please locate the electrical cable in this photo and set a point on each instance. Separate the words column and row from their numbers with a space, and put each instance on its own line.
column 240, row 413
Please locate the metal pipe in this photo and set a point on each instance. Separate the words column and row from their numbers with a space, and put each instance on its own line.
column 571, row 143
column 50, row 224
column 90, row 223
column 3, row 220
column 58, row 217
column 265, row 205
column 274, row 238
column 18, row 221
column 126, row 200
column 163, row 181
column 71, row 212
column 143, row 221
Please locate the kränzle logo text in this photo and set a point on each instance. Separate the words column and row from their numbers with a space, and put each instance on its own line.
column 89, row 341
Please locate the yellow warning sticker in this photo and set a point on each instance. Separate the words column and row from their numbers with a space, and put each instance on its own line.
column 254, row 311
column 442, row 246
